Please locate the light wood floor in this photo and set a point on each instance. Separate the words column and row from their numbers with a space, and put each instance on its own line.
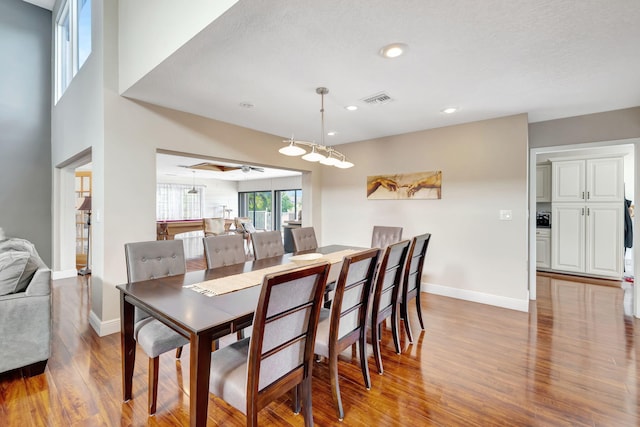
column 572, row 360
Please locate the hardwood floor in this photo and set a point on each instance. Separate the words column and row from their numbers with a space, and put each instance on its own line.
column 573, row 360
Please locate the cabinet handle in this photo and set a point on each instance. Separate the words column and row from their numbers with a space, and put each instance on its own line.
column 588, row 195
column 587, row 211
column 582, row 211
column 583, row 195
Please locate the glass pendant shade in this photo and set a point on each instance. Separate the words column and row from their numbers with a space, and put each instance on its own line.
column 330, row 160
column 313, row 156
column 344, row 164
column 292, row 150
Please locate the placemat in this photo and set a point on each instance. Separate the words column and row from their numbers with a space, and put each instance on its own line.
column 237, row 282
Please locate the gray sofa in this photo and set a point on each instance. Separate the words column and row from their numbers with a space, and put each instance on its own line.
column 25, row 308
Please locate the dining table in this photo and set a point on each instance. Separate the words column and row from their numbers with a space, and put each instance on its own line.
column 187, row 304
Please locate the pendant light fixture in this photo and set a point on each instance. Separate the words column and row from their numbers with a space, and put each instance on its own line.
column 193, row 189
column 319, row 152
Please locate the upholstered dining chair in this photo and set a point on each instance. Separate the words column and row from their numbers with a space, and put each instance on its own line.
column 304, row 239
column 411, row 281
column 278, row 357
column 267, row 244
column 385, row 297
column 224, row 250
column 383, row 236
column 347, row 322
column 213, row 226
column 150, row 260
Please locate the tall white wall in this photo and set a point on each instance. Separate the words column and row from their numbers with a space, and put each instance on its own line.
column 473, row 255
column 168, row 24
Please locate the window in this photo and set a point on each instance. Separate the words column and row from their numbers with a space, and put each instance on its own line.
column 73, row 42
column 173, row 201
column 256, row 205
column 288, row 206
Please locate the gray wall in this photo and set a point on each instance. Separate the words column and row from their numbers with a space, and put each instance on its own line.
column 607, row 126
column 25, row 123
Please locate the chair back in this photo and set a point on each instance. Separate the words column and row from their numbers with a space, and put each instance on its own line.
column 304, row 239
column 349, row 307
column 267, row 244
column 152, row 260
column 226, row 249
column 389, row 279
column 213, row 226
column 240, row 224
column 384, row 236
column 415, row 262
column 284, row 329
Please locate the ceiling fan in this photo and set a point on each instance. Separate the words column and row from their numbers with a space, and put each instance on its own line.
column 247, row 169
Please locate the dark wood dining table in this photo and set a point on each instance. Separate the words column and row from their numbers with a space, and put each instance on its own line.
column 200, row 318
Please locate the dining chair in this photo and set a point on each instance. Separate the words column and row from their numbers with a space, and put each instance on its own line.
column 224, row 250
column 385, row 296
column 411, row 281
column 383, row 236
column 304, row 239
column 267, row 244
column 213, row 226
column 346, row 323
column 278, row 357
column 151, row 260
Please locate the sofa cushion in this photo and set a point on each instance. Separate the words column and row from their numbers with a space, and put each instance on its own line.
column 16, row 270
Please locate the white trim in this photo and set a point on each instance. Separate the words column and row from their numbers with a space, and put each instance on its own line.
column 64, row 274
column 480, row 297
column 103, row 328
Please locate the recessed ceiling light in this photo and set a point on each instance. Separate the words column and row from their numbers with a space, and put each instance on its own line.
column 332, row 133
column 393, row 50
column 351, row 108
column 449, row 110
column 246, row 105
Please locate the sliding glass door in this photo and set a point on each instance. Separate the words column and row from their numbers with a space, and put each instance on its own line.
column 257, row 206
column 288, row 206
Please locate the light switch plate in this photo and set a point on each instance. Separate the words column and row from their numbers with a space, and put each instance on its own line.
column 505, row 215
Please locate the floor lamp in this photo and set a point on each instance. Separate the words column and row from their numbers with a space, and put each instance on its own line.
column 86, row 206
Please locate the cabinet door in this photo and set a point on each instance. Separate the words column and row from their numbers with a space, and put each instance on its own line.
column 543, row 250
column 543, row 183
column 605, row 180
column 568, row 181
column 568, row 237
column 605, row 244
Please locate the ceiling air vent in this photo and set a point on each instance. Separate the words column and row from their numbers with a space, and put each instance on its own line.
column 377, row 99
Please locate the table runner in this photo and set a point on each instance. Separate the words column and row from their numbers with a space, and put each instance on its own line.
column 237, row 282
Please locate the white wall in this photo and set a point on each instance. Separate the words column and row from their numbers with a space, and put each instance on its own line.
column 284, row 183
column 216, row 193
column 472, row 255
column 167, row 26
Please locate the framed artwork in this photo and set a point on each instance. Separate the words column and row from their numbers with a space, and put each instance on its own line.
column 418, row 185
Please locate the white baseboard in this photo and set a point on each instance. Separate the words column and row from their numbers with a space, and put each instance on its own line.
column 64, row 274
column 103, row 328
column 480, row 297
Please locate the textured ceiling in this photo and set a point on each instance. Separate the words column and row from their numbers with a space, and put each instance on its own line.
column 490, row 58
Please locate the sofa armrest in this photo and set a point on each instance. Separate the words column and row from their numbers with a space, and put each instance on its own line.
column 40, row 283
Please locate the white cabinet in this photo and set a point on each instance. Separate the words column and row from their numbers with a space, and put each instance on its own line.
column 591, row 180
column 543, row 183
column 588, row 238
column 543, row 248
column 587, row 214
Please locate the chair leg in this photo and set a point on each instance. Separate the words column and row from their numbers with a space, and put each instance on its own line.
column 307, row 403
column 375, row 343
column 364, row 365
column 335, row 386
column 178, row 352
column 419, row 309
column 296, row 392
column 154, row 367
column 404, row 314
column 395, row 330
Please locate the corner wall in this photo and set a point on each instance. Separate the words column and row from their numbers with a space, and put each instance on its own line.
column 25, row 120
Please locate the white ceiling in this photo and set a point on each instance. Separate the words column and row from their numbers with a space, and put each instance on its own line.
column 490, row 58
column 45, row 4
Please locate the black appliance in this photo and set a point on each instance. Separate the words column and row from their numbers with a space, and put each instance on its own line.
column 543, row 219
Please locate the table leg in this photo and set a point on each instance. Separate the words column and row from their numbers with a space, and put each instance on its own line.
column 128, row 346
column 199, row 379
